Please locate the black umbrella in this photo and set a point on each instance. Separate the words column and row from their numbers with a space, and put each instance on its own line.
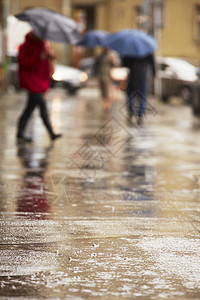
column 50, row 25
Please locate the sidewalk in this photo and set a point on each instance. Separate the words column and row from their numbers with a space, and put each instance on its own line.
column 110, row 211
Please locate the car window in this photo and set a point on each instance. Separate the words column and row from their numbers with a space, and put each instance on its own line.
column 162, row 66
column 12, row 59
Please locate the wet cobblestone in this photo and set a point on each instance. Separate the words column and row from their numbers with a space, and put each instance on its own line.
column 109, row 211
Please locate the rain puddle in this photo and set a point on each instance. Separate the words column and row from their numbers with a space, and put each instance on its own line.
column 109, row 211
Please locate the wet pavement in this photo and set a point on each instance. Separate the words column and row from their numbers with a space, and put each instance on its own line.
column 109, row 211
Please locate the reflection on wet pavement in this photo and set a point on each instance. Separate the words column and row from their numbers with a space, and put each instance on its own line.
column 109, row 211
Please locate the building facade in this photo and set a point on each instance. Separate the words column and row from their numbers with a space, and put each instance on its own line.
column 175, row 23
column 4, row 5
column 181, row 33
column 110, row 15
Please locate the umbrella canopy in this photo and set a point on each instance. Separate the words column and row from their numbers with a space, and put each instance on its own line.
column 94, row 38
column 130, row 42
column 51, row 25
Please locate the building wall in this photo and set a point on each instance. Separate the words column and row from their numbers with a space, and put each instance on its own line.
column 101, row 17
column 112, row 15
column 177, row 38
column 122, row 14
column 17, row 6
column 3, row 40
column 179, row 35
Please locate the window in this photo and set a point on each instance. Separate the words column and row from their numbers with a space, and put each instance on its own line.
column 140, row 18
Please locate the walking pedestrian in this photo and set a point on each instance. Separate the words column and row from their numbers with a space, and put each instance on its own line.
column 35, row 60
column 105, row 62
column 137, row 84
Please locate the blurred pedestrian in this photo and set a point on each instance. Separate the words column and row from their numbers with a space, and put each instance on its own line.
column 137, row 84
column 35, row 60
column 105, row 62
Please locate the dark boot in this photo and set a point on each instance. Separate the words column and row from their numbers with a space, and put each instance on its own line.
column 56, row 136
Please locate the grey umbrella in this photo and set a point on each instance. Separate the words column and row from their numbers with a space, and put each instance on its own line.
column 51, row 25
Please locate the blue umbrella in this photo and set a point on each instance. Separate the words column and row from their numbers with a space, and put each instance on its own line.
column 131, row 42
column 93, row 38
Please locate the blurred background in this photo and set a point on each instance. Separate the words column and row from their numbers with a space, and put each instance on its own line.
column 174, row 23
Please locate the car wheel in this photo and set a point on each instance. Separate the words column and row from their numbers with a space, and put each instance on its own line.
column 186, row 94
column 13, row 88
column 72, row 91
column 52, row 83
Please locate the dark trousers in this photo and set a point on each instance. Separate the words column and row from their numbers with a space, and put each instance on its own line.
column 136, row 98
column 34, row 100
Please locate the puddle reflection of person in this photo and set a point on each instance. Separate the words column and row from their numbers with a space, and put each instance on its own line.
column 32, row 200
column 35, row 67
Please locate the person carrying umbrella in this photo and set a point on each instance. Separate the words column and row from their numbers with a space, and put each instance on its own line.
column 35, row 59
column 105, row 62
column 136, row 49
column 137, row 84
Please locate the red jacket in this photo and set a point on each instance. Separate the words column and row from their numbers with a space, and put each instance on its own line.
column 34, row 68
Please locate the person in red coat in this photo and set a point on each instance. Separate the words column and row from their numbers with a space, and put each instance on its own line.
column 35, row 60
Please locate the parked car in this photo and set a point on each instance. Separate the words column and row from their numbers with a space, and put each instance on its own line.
column 88, row 65
column 175, row 77
column 69, row 78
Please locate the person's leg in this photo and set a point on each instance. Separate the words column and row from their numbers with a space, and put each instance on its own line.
column 130, row 99
column 102, row 88
column 105, row 93
column 115, row 86
column 143, row 99
column 142, row 102
column 26, row 114
column 45, row 116
column 107, row 98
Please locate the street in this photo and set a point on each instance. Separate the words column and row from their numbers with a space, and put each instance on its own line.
column 109, row 211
